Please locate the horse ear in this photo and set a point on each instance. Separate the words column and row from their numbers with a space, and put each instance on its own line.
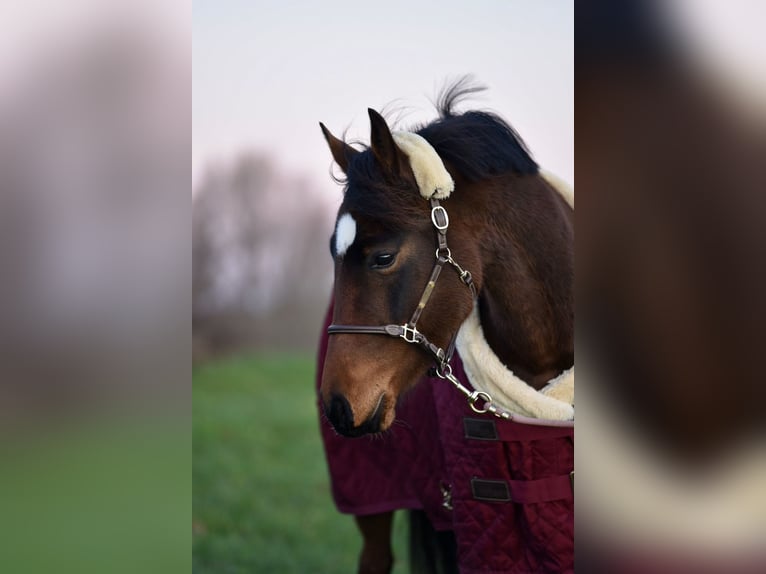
column 382, row 142
column 340, row 150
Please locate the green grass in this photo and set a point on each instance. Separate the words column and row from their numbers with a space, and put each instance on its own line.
column 262, row 501
column 106, row 493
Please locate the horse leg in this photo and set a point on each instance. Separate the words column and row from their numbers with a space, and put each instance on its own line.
column 376, row 556
column 431, row 552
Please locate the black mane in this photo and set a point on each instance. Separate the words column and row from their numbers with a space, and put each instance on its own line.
column 478, row 144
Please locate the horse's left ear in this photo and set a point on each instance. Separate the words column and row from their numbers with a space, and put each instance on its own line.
column 382, row 143
column 341, row 152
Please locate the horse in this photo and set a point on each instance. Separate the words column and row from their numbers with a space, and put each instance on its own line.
column 447, row 223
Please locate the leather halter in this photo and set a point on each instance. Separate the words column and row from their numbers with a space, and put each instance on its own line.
column 409, row 331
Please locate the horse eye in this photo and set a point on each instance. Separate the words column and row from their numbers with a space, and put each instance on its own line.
column 383, row 260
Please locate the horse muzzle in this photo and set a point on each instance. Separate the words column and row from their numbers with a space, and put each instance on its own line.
column 340, row 414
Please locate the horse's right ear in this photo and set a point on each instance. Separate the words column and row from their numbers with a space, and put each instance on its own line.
column 382, row 143
column 341, row 151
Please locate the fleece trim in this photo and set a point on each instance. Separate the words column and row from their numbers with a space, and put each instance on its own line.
column 565, row 190
column 487, row 373
column 433, row 179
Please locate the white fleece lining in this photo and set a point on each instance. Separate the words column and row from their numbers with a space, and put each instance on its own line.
column 565, row 190
column 487, row 373
column 433, row 179
column 555, row 401
column 561, row 387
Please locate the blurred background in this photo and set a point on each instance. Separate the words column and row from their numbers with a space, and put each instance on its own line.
column 95, row 271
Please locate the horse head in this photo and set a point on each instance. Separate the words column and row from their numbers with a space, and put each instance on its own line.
column 384, row 249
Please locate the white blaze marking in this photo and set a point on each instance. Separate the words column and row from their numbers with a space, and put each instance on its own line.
column 345, row 233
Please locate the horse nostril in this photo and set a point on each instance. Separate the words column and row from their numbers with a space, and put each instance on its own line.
column 338, row 412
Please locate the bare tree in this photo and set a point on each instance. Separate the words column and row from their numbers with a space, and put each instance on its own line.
column 261, row 269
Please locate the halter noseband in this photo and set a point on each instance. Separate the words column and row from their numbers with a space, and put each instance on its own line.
column 409, row 331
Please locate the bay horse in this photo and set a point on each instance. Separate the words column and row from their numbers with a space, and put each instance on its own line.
column 449, row 220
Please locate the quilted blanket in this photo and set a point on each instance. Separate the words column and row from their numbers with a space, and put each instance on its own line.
column 504, row 488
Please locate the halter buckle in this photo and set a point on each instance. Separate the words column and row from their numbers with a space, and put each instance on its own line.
column 409, row 334
column 439, row 217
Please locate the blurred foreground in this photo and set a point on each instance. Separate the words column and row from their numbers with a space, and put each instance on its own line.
column 671, row 127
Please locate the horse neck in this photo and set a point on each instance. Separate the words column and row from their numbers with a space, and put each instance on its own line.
column 526, row 301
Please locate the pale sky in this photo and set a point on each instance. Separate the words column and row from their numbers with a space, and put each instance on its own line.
column 265, row 73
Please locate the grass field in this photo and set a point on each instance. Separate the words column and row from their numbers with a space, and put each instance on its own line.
column 262, row 500
column 105, row 492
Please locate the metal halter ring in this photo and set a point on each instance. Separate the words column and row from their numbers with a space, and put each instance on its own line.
column 475, row 396
column 444, row 371
column 447, row 258
column 442, row 216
